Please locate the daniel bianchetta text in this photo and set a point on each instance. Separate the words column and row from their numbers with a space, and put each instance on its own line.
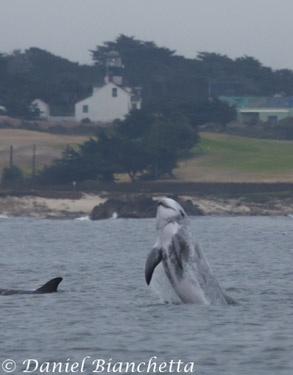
column 99, row 366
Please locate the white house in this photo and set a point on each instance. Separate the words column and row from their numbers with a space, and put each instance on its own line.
column 107, row 103
column 3, row 110
column 111, row 101
column 42, row 107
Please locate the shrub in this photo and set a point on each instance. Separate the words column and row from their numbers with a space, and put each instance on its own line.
column 6, row 125
column 86, row 120
column 12, row 174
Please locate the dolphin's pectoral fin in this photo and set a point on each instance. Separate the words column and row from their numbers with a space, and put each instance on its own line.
column 177, row 251
column 154, row 258
column 50, row 287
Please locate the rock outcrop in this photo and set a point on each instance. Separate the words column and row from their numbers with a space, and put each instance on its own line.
column 138, row 207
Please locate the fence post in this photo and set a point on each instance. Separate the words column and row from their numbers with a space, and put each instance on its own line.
column 34, row 161
column 11, row 157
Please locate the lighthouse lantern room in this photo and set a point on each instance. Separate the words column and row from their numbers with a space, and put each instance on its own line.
column 114, row 68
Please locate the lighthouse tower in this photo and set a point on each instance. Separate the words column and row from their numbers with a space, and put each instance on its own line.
column 112, row 100
column 114, row 68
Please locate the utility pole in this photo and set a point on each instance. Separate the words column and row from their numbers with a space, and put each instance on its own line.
column 34, row 161
column 11, row 157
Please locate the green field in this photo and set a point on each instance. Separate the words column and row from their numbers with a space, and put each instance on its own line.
column 219, row 157
column 222, row 157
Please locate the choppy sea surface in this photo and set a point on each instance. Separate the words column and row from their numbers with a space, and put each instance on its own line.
column 105, row 311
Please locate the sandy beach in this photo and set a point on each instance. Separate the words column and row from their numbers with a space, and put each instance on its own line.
column 44, row 208
column 65, row 208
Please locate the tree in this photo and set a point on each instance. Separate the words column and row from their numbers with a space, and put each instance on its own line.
column 11, row 174
column 214, row 65
column 215, row 111
column 151, row 144
column 197, row 113
column 144, row 144
column 86, row 163
column 166, row 143
column 157, row 70
column 36, row 73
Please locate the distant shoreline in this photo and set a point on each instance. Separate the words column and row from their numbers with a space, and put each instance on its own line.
column 81, row 204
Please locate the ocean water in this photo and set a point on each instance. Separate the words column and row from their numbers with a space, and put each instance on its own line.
column 104, row 310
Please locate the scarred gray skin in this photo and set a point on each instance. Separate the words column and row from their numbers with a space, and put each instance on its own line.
column 184, row 263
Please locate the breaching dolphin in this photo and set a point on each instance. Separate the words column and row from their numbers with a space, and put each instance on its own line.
column 181, row 260
column 50, row 287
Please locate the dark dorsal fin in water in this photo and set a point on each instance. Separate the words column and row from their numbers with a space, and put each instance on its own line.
column 50, row 287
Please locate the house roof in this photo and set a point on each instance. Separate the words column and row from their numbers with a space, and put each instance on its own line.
column 113, row 53
column 124, row 88
column 98, row 88
column 280, row 102
column 255, row 102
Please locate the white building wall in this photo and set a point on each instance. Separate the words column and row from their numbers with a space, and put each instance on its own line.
column 102, row 106
column 3, row 110
column 43, row 107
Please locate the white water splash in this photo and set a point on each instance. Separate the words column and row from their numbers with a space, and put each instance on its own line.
column 161, row 286
column 83, row 218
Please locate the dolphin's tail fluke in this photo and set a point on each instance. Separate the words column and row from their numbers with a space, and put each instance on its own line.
column 50, row 287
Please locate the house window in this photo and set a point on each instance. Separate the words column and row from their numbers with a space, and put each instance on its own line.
column 85, row 108
column 272, row 118
column 134, row 106
column 251, row 118
column 114, row 92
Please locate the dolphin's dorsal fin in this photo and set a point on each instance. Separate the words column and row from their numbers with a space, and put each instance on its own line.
column 50, row 287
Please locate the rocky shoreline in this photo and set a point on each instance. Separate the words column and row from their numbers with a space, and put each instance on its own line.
column 104, row 206
column 144, row 207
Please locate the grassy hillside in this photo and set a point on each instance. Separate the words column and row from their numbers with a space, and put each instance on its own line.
column 231, row 158
column 221, row 157
column 48, row 147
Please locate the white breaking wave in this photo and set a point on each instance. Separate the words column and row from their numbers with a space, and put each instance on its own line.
column 4, row 217
column 83, row 218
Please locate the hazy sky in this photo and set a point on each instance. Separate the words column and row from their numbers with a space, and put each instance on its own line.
column 70, row 28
